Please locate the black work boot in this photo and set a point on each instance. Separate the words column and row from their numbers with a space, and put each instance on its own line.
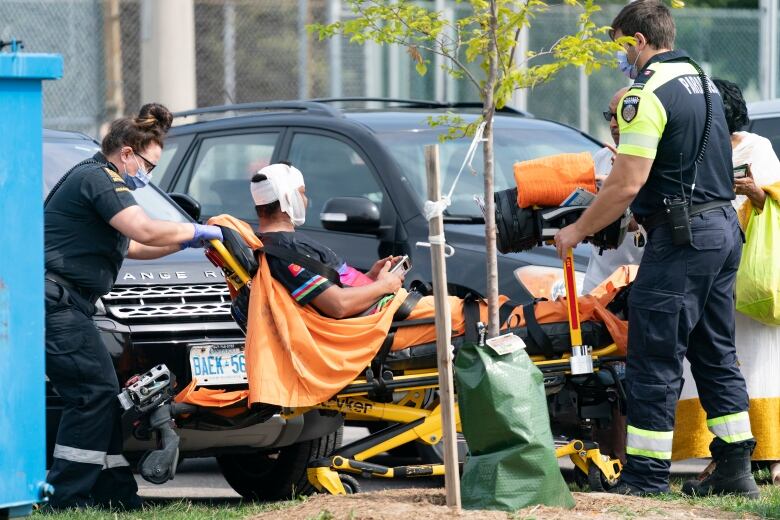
column 623, row 488
column 732, row 474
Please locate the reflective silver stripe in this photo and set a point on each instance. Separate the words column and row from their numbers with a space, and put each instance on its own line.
column 731, row 428
column 79, row 455
column 116, row 461
column 647, row 443
column 645, row 141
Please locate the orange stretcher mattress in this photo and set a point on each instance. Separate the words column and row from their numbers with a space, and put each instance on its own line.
column 547, row 181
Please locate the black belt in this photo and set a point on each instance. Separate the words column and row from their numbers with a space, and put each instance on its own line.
column 660, row 218
column 84, row 293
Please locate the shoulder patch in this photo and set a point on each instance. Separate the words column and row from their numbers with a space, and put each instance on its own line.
column 629, row 108
column 114, row 175
column 295, row 269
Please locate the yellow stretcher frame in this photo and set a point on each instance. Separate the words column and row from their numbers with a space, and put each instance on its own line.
column 411, row 421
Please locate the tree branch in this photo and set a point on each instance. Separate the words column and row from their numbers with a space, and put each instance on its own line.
column 443, row 52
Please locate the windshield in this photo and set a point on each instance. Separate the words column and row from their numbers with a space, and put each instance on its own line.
column 510, row 146
column 61, row 155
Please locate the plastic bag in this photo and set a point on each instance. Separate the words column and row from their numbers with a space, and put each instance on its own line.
column 758, row 277
column 503, row 412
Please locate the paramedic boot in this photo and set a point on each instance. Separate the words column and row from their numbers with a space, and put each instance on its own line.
column 623, row 488
column 732, row 474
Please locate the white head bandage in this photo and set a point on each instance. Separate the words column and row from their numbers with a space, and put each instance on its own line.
column 282, row 183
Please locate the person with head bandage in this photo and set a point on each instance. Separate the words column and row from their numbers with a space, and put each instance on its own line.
column 279, row 193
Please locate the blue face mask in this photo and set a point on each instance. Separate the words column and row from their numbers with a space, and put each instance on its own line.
column 139, row 180
column 630, row 71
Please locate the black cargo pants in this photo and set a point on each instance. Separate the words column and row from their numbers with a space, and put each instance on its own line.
column 682, row 305
column 88, row 467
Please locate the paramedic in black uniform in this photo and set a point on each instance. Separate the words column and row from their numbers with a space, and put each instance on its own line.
column 681, row 303
column 92, row 223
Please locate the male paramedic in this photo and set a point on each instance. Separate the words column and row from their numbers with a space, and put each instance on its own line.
column 91, row 222
column 674, row 168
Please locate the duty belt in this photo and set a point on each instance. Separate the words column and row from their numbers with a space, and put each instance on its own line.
column 659, row 218
column 84, row 293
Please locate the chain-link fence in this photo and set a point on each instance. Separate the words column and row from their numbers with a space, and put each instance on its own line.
column 254, row 50
column 74, row 29
column 724, row 41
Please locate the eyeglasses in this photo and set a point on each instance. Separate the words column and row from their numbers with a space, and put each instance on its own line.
column 150, row 165
column 608, row 115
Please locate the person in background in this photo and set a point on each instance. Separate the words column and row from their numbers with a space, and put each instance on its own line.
column 91, row 223
column 758, row 345
column 602, row 264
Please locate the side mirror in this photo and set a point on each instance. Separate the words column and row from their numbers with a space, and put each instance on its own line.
column 189, row 205
column 350, row 215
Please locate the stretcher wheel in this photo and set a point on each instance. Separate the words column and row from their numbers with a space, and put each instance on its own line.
column 580, row 478
column 597, row 481
column 350, row 483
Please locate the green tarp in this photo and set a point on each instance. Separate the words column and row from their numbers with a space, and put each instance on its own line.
column 503, row 411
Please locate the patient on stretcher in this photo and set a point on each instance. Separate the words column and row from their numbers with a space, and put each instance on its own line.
column 328, row 283
column 313, row 324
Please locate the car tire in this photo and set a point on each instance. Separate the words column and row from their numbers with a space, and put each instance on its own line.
column 278, row 474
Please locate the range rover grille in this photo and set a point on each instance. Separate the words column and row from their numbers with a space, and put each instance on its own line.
column 140, row 303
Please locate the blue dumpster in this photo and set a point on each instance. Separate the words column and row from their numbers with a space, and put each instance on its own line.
column 22, row 375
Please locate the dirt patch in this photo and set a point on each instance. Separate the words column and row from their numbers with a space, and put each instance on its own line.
column 429, row 504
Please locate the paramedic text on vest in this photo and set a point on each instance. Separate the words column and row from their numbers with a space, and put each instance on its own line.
column 681, row 303
column 91, row 222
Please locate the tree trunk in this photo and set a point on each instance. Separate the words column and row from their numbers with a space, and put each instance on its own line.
column 490, row 218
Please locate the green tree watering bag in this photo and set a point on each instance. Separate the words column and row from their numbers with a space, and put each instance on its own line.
column 503, row 411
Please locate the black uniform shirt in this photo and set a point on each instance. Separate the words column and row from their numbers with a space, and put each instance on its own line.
column 80, row 245
column 303, row 285
column 662, row 116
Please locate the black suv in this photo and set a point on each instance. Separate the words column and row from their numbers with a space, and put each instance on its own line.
column 365, row 175
column 155, row 313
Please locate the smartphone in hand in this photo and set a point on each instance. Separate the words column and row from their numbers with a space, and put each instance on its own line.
column 741, row 171
column 402, row 266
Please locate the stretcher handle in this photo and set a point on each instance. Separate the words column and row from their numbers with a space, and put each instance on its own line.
column 572, row 304
column 230, row 261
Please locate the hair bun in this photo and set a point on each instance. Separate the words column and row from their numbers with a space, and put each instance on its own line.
column 154, row 116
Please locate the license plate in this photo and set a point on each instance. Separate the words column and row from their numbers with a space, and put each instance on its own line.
column 216, row 364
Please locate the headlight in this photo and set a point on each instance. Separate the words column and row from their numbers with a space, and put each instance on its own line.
column 546, row 282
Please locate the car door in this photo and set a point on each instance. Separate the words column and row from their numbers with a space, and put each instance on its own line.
column 334, row 166
column 218, row 172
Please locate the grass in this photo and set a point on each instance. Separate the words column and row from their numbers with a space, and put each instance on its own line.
column 768, row 506
column 181, row 509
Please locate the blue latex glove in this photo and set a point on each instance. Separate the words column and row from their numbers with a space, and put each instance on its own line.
column 203, row 233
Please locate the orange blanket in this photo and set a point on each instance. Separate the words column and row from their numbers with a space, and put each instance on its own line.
column 294, row 355
column 547, row 181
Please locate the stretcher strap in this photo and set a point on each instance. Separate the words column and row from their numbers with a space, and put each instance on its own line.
column 535, row 330
column 294, row 257
column 471, row 317
column 505, row 312
column 403, row 312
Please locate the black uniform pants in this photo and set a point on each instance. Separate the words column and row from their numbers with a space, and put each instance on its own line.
column 88, row 467
column 682, row 305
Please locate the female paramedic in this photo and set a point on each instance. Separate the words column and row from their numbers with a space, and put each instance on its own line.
column 91, row 223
